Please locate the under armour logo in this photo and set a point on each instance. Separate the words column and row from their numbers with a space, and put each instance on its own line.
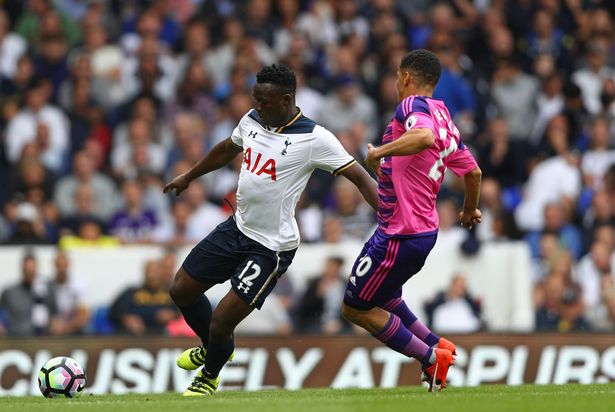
column 243, row 287
column 252, row 134
column 286, row 143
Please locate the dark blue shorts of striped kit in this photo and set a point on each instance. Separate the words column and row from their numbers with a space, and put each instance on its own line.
column 226, row 253
column 383, row 266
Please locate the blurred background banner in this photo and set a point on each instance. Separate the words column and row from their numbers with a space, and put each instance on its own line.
column 506, row 308
column 121, row 365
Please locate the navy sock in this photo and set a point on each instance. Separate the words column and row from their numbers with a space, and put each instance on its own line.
column 198, row 317
column 217, row 356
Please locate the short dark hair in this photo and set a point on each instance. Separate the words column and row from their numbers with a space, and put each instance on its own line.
column 422, row 64
column 279, row 75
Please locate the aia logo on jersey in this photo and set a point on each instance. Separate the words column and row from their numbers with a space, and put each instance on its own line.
column 257, row 166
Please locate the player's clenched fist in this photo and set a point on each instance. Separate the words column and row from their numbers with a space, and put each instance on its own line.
column 470, row 218
column 372, row 161
column 179, row 183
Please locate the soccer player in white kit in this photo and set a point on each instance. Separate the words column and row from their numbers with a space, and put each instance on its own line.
column 281, row 148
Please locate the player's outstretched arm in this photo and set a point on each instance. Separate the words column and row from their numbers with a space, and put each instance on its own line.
column 220, row 155
column 411, row 142
column 364, row 182
column 471, row 215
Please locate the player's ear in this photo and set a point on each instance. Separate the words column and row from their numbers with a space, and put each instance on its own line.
column 287, row 99
column 407, row 77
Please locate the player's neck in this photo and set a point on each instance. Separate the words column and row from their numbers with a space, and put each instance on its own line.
column 418, row 91
column 290, row 116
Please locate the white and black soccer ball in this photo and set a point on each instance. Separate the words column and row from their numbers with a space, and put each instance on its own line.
column 61, row 377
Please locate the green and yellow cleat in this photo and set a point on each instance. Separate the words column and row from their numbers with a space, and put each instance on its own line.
column 202, row 385
column 193, row 358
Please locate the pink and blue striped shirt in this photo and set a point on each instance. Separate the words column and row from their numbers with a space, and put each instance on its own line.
column 408, row 185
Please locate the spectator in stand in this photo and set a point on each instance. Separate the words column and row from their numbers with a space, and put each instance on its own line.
column 591, row 78
column 12, row 47
column 30, row 178
column 144, row 108
column 308, row 99
column 556, row 179
column 52, row 63
column 72, row 313
column 175, row 232
column 355, row 215
column 347, row 105
column 600, row 156
column 498, row 222
column 514, row 94
column 600, row 214
column 139, row 153
column 17, row 85
column 450, row 234
column 558, row 299
column 590, row 273
column 85, row 209
column 319, row 310
column 546, row 37
column 84, row 173
column 30, row 304
column 151, row 71
column 452, row 87
column 193, row 96
column 29, row 227
column 499, row 158
column 454, row 310
column 89, row 235
column 550, row 100
column 107, row 61
column 133, row 223
column 197, row 47
column 333, row 230
column 144, row 309
column 602, row 316
column 556, row 222
column 41, row 123
column 205, row 215
column 39, row 17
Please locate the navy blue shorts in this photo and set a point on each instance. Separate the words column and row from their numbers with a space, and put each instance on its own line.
column 226, row 253
column 384, row 265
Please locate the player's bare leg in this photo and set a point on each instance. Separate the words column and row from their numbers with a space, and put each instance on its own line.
column 228, row 314
column 389, row 329
column 189, row 296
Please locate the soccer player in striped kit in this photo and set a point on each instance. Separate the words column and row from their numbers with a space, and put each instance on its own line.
column 419, row 144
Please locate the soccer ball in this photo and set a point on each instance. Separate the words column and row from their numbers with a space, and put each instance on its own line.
column 61, row 377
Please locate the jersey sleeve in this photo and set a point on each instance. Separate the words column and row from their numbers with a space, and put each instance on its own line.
column 328, row 153
column 461, row 161
column 413, row 112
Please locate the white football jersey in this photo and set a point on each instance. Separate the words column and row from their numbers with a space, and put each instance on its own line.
column 277, row 164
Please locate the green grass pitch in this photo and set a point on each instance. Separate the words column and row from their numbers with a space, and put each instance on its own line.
column 491, row 398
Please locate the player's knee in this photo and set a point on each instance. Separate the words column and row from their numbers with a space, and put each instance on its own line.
column 179, row 296
column 351, row 314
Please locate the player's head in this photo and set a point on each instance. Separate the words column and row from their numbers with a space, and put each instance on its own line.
column 274, row 94
column 418, row 73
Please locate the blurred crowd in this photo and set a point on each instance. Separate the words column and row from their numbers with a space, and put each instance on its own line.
column 103, row 101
